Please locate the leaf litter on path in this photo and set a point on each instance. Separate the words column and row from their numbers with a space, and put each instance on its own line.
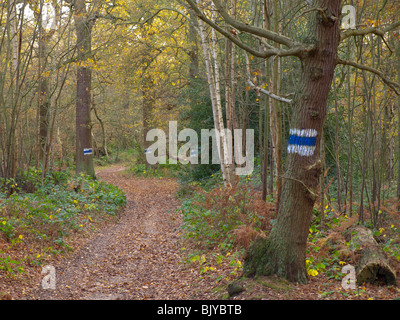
column 136, row 258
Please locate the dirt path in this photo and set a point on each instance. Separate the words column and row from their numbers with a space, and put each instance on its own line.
column 136, row 258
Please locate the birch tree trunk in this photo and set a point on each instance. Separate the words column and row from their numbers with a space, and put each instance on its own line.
column 213, row 78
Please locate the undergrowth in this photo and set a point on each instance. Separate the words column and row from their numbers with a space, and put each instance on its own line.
column 328, row 251
column 220, row 223
column 39, row 216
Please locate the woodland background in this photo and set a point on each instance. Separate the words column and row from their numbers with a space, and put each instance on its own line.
column 145, row 65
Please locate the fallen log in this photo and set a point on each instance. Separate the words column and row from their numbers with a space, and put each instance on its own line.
column 372, row 263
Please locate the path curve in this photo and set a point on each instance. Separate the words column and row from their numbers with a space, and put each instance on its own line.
column 138, row 257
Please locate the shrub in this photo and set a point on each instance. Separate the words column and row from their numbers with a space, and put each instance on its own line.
column 225, row 215
column 47, row 213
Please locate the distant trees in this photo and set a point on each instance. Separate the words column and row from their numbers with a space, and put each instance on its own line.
column 64, row 80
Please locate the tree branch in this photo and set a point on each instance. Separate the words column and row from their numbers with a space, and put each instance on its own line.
column 258, row 89
column 251, row 29
column 374, row 30
column 391, row 84
column 295, row 49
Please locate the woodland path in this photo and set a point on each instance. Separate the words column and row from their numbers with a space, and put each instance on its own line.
column 136, row 258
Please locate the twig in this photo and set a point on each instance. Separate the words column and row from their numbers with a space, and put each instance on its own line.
column 393, row 85
column 258, row 89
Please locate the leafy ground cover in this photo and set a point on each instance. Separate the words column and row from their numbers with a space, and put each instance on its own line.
column 38, row 215
column 204, row 233
column 220, row 223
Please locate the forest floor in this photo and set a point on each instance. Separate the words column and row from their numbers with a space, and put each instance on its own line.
column 140, row 256
column 137, row 257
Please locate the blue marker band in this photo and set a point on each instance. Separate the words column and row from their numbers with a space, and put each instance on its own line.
column 302, row 141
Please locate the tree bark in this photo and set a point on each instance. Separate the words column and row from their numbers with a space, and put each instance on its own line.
column 44, row 97
column 276, row 113
column 284, row 251
column 373, row 264
column 83, row 25
column 11, row 28
column 398, row 126
column 212, row 70
column 266, row 78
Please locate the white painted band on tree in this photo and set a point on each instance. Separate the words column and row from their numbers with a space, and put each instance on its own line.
column 87, row 151
column 302, row 141
column 310, row 133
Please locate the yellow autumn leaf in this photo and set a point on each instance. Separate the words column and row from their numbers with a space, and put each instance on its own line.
column 312, row 272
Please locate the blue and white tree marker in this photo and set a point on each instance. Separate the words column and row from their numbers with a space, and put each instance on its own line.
column 302, row 141
column 87, row 151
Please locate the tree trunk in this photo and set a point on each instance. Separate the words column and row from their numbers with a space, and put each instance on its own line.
column 284, row 251
column 276, row 112
column 193, row 49
column 44, row 97
column 337, row 154
column 398, row 127
column 350, row 108
column 11, row 142
column 103, row 149
column 213, row 82
column 266, row 80
column 373, row 263
column 147, row 85
column 84, row 162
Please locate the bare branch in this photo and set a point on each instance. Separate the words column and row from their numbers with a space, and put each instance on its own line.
column 258, row 89
column 374, row 30
column 243, row 26
column 295, row 49
column 251, row 29
column 391, row 84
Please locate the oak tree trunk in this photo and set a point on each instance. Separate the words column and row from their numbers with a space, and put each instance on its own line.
column 284, row 251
